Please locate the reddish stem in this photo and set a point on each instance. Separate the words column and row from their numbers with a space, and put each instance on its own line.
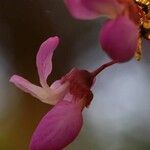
column 101, row 68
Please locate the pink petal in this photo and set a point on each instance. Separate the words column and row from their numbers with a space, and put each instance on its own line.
column 47, row 95
column 67, row 96
column 79, row 10
column 60, row 90
column 44, row 59
column 58, row 128
column 119, row 38
column 90, row 9
column 56, row 84
column 28, row 87
column 109, row 8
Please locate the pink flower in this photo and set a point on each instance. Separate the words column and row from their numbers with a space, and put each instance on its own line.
column 70, row 95
column 120, row 37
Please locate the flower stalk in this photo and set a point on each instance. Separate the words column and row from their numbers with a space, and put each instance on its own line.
column 101, row 68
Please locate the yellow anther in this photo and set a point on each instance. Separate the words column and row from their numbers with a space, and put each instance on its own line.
column 143, row 2
column 138, row 53
column 146, row 24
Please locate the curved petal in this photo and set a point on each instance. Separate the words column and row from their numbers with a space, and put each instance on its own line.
column 56, row 84
column 44, row 58
column 58, row 128
column 46, row 95
column 119, row 38
column 79, row 10
column 58, row 90
column 28, row 87
column 67, row 96
column 91, row 9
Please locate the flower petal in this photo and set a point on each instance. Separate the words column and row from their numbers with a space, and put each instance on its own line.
column 119, row 38
column 58, row 128
column 90, row 9
column 46, row 95
column 44, row 59
column 28, row 87
column 79, row 10
column 59, row 90
column 110, row 8
column 56, row 84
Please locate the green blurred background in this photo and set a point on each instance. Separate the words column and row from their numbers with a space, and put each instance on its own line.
column 119, row 116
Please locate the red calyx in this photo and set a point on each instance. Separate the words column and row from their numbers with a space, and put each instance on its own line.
column 80, row 84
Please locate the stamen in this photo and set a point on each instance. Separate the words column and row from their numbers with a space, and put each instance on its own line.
column 138, row 53
column 144, row 25
column 143, row 2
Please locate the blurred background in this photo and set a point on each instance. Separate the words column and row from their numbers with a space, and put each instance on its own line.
column 119, row 116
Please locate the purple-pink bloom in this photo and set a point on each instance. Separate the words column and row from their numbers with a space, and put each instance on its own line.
column 119, row 35
column 70, row 95
column 60, row 126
